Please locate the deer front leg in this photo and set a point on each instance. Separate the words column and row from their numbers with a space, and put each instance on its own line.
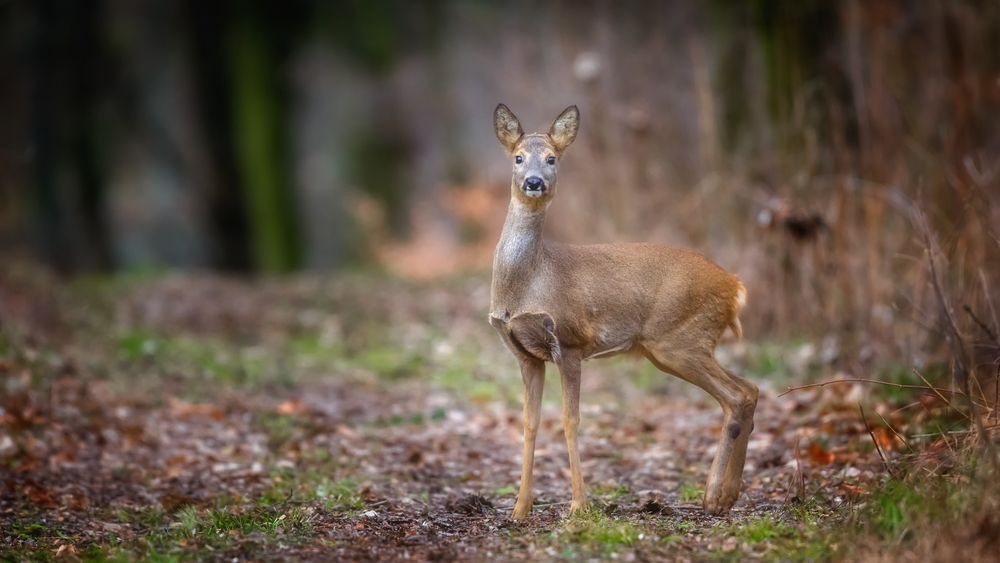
column 533, row 374
column 569, row 369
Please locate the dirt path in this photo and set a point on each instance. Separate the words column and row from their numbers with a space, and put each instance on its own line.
column 206, row 435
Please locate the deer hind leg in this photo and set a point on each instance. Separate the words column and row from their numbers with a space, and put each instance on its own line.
column 738, row 398
column 533, row 374
column 569, row 369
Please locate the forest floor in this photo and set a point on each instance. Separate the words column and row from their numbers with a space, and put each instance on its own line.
column 175, row 417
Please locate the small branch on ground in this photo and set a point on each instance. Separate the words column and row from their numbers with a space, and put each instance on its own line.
column 798, row 479
column 940, row 396
column 878, row 448
column 955, row 432
column 893, row 430
column 863, row 380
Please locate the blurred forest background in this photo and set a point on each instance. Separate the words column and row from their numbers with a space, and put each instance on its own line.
column 315, row 191
column 785, row 139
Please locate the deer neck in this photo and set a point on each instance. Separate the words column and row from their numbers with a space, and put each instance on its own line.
column 518, row 254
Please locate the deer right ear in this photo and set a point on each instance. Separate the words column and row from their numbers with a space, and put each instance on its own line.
column 564, row 128
column 507, row 127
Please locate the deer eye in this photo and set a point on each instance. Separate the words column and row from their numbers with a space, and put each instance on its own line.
column 551, row 160
column 518, row 159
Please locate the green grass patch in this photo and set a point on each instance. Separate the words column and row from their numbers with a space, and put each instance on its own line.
column 150, row 517
column 505, row 490
column 648, row 378
column 762, row 528
column 280, row 428
column 28, row 529
column 315, row 484
column 392, row 362
column 137, row 344
column 689, row 492
column 313, row 348
column 222, row 523
column 201, row 360
column 610, row 491
column 903, row 374
column 792, row 534
column 193, row 533
column 949, row 515
column 895, row 506
column 769, row 361
column 414, row 419
column 592, row 529
column 463, row 379
column 339, row 496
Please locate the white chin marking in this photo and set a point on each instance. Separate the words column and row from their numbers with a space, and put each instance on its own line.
column 533, row 194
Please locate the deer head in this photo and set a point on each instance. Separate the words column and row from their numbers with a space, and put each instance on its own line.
column 535, row 156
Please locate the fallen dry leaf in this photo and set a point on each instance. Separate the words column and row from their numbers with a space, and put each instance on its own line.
column 290, row 407
column 184, row 409
column 39, row 496
column 819, row 455
column 884, row 438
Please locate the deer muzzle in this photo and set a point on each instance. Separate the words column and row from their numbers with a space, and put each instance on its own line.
column 534, row 186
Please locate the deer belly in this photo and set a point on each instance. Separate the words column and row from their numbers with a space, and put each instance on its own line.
column 610, row 343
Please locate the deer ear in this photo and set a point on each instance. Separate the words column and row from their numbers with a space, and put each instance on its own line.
column 507, row 127
column 564, row 128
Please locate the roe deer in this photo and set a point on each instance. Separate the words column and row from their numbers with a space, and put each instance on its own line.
column 567, row 303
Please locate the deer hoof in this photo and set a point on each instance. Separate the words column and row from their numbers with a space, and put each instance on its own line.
column 720, row 503
column 577, row 506
column 521, row 511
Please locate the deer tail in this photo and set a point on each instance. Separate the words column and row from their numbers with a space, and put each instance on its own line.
column 739, row 301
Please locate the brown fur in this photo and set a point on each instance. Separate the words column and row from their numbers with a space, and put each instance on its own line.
column 567, row 303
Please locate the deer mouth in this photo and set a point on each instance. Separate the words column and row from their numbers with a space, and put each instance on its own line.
column 534, row 190
column 534, row 186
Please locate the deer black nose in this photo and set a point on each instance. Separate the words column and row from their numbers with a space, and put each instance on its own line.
column 534, row 184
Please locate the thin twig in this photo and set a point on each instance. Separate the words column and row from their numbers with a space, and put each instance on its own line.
column 874, row 441
column 940, row 396
column 982, row 325
column 800, row 480
column 863, row 380
column 904, row 407
column 989, row 298
column 985, row 404
column 944, row 436
column 970, row 431
column 996, row 399
column 897, row 434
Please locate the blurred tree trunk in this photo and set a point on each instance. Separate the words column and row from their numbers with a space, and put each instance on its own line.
column 379, row 156
column 69, row 66
column 794, row 38
column 226, row 206
column 373, row 36
column 261, row 125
